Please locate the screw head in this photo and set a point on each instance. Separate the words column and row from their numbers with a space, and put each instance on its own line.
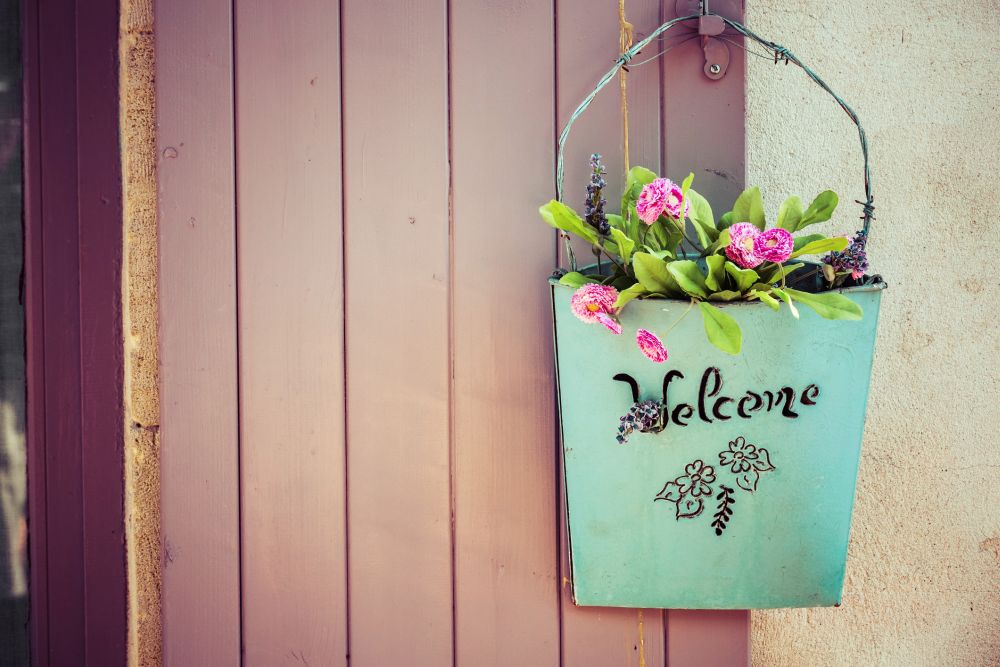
column 715, row 68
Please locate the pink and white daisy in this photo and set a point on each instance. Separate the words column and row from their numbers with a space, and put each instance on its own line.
column 660, row 196
column 742, row 245
column 651, row 346
column 593, row 300
column 774, row 245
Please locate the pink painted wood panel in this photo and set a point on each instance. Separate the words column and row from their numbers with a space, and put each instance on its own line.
column 198, row 382
column 291, row 322
column 504, row 467
column 587, row 44
column 705, row 133
column 397, row 451
column 398, row 335
column 587, row 40
column 708, row 638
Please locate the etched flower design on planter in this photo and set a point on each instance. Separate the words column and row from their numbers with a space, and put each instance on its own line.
column 689, row 490
column 697, row 480
column 746, row 461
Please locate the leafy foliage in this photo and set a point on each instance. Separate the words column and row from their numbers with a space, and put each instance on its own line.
column 685, row 257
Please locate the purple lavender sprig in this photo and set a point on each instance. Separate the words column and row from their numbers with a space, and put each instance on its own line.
column 853, row 259
column 594, row 208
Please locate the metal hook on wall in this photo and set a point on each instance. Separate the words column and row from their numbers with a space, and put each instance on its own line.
column 710, row 27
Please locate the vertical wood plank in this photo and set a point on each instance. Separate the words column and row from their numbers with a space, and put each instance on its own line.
column 587, row 41
column 58, row 123
column 705, row 133
column 506, row 564
column 587, row 46
column 704, row 120
column 291, row 332
column 101, row 397
column 199, row 432
column 398, row 359
column 699, row 638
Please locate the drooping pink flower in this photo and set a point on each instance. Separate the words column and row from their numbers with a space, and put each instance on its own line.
column 774, row 245
column 610, row 323
column 591, row 300
column 651, row 346
column 741, row 248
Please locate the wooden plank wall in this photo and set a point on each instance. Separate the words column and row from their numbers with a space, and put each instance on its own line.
column 359, row 434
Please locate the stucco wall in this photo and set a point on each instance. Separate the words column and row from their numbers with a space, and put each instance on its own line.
column 923, row 580
column 142, row 494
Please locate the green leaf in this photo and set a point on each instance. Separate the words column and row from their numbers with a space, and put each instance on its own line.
column 635, row 180
column 689, row 277
column 660, row 254
column 820, row 210
column 766, row 298
column 652, row 274
column 726, row 220
column 667, row 237
column 702, row 219
column 625, row 244
column 821, row 246
column 787, row 299
column 716, row 272
column 685, row 188
column 575, row 279
column 560, row 216
column 829, row 305
column 721, row 329
column 616, row 221
column 749, row 207
column 720, row 244
column 790, row 214
column 774, row 275
column 626, row 295
column 724, row 295
column 745, row 278
column 639, row 176
column 802, row 241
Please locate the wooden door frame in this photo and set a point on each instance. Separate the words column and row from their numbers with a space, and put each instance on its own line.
column 73, row 332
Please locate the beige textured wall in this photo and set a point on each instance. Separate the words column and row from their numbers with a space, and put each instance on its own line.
column 923, row 578
column 142, row 495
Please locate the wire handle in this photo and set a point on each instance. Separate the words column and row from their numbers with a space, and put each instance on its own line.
column 780, row 53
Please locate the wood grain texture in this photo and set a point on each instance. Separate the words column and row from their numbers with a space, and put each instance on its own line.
column 72, row 329
column 698, row 638
column 587, row 41
column 398, row 359
column 506, row 564
column 198, row 379
column 705, row 133
column 291, row 319
column 704, row 120
column 587, row 44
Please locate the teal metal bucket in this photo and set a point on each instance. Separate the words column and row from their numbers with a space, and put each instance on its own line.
column 744, row 500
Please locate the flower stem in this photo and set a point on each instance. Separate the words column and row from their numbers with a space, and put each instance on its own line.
column 678, row 320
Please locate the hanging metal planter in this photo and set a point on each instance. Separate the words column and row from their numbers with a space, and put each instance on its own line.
column 713, row 481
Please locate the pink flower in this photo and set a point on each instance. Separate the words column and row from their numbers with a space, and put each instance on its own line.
column 651, row 346
column 592, row 300
column 774, row 245
column 610, row 323
column 742, row 246
column 660, row 196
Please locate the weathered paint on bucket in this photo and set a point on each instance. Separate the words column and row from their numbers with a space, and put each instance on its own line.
column 785, row 544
